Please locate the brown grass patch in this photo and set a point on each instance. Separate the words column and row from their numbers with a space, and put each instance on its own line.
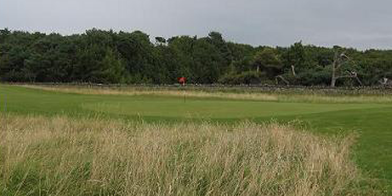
column 63, row 156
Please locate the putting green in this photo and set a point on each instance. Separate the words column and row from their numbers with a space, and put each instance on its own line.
column 194, row 108
column 32, row 101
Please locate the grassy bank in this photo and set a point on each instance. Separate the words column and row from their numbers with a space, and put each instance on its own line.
column 67, row 156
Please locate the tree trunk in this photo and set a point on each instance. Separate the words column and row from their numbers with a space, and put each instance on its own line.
column 359, row 81
column 283, row 79
column 293, row 71
column 334, row 67
column 333, row 80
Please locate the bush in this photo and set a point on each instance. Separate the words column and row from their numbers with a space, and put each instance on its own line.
column 316, row 76
column 249, row 77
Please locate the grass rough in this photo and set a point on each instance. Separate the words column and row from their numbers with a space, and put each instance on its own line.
column 67, row 156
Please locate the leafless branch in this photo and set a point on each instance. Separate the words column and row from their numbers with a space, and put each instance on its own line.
column 281, row 78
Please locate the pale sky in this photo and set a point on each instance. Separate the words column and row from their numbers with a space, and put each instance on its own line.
column 352, row 23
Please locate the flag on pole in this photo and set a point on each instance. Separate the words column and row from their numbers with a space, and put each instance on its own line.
column 182, row 81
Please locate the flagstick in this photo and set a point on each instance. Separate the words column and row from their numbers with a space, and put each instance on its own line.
column 184, row 95
column 5, row 103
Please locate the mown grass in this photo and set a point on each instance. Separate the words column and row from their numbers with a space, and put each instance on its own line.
column 27, row 101
column 294, row 96
column 68, row 156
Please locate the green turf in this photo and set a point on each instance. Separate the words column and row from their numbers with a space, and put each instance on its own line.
column 372, row 121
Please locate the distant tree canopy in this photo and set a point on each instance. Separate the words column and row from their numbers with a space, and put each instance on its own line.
column 99, row 56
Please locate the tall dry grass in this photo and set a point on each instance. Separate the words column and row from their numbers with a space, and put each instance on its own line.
column 63, row 156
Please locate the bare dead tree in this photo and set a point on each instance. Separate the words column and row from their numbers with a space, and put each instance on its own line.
column 351, row 74
column 281, row 78
column 277, row 78
column 357, row 78
column 337, row 63
column 339, row 60
column 385, row 81
column 293, row 71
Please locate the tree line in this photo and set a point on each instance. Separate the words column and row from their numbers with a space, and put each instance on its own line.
column 99, row 56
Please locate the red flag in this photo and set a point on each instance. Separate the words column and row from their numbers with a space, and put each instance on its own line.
column 182, row 80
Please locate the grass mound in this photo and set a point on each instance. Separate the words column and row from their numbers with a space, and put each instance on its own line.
column 64, row 156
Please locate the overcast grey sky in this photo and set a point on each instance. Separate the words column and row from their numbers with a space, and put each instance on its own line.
column 353, row 23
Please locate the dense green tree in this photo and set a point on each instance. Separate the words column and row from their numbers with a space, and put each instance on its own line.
column 100, row 56
column 160, row 40
column 268, row 61
column 112, row 69
column 183, row 48
column 207, row 61
column 295, row 56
